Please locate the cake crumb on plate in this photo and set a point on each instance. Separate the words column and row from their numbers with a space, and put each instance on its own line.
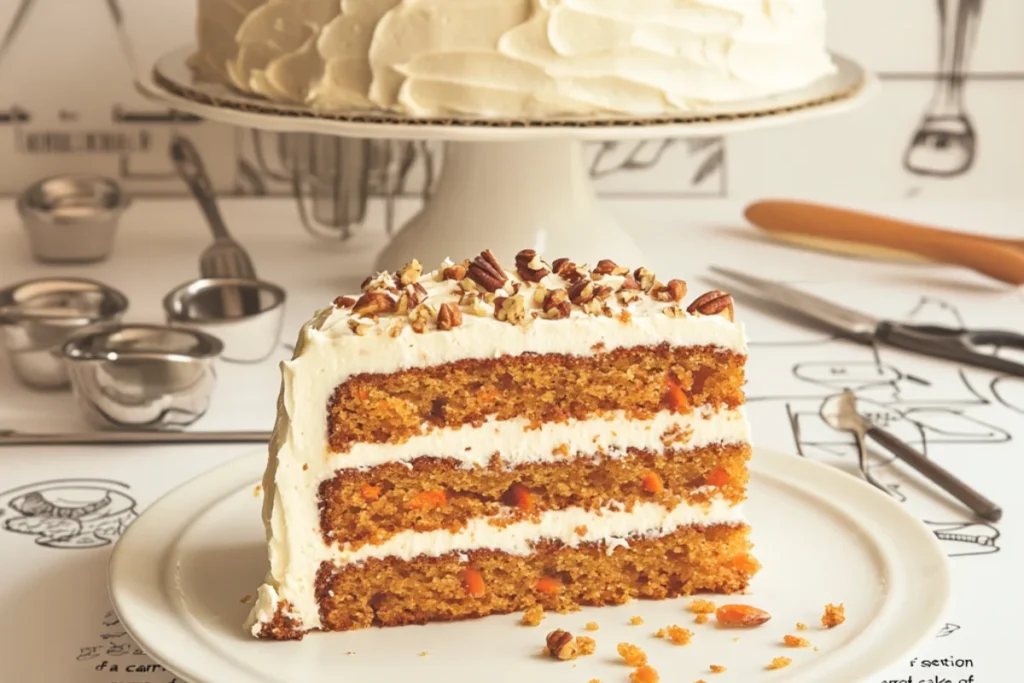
column 636, row 621
column 644, row 674
column 779, row 663
column 701, row 606
column 677, row 634
column 591, row 626
column 795, row 641
column 633, row 655
column 533, row 616
column 801, row 626
column 717, row 669
column 833, row 616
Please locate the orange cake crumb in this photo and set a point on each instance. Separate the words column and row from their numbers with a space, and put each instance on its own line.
column 423, row 654
column 701, row 619
column 591, row 626
column 795, row 641
column 833, row 616
column 701, row 680
column 644, row 674
column 636, row 621
column 581, row 530
column 677, row 634
column 717, row 669
column 586, row 645
column 533, row 616
column 701, row 606
column 594, row 680
column 633, row 655
column 741, row 616
column 779, row 663
column 801, row 626
column 257, row 491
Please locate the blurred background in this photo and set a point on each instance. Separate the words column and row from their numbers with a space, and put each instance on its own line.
column 948, row 122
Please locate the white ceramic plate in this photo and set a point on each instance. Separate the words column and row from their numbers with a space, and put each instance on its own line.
column 180, row 572
column 172, row 81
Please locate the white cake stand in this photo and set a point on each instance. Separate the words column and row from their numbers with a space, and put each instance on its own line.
column 506, row 185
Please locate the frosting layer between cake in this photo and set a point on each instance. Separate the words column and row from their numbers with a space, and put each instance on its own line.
column 512, row 58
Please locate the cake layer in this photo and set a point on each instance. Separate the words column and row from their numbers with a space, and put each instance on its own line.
column 393, row 592
column 512, row 57
column 428, row 494
column 549, row 388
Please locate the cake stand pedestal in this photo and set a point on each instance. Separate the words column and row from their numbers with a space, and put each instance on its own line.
column 506, row 185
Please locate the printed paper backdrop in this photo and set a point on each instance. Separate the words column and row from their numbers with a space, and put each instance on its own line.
column 947, row 123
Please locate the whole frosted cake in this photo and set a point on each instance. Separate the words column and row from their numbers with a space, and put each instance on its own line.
column 512, row 58
column 487, row 437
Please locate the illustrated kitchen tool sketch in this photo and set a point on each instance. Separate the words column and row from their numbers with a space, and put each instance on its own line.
column 945, row 142
column 947, row 413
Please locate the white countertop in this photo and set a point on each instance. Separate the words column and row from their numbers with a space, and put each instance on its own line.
column 158, row 247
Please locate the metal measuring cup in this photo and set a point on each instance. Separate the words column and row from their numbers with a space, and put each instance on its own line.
column 72, row 218
column 37, row 316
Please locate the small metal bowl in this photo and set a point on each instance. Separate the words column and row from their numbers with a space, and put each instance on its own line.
column 142, row 376
column 72, row 218
column 37, row 316
column 246, row 315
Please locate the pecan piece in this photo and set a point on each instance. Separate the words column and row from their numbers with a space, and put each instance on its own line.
column 510, row 309
column 581, row 292
column 561, row 264
column 562, row 645
column 628, row 296
column 609, row 267
column 374, row 303
column 360, row 327
column 344, row 302
column 675, row 290
column 644, row 277
column 410, row 273
column 629, row 284
column 556, row 305
column 456, row 272
column 448, row 317
column 420, row 317
column 715, row 302
column 530, row 267
column 487, row 272
column 602, row 292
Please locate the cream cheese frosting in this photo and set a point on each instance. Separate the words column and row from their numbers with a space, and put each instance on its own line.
column 512, row 58
column 343, row 340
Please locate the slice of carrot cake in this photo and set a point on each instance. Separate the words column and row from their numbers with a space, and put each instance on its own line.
column 480, row 440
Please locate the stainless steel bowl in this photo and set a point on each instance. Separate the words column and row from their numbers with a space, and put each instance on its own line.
column 246, row 315
column 142, row 376
column 37, row 316
column 72, row 218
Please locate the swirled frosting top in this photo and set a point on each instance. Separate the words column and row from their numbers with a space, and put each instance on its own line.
column 512, row 58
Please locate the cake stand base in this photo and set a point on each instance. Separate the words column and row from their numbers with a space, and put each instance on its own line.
column 509, row 196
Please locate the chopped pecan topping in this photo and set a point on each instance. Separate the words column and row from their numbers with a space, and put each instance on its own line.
column 609, row 267
column 581, row 291
column 530, row 267
column 592, row 307
column 562, row 645
column 602, row 292
column 628, row 296
column 467, row 285
column 569, row 271
column 673, row 311
column 448, row 317
column 374, row 303
column 644, row 277
column 715, row 302
column 456, row 272
column 396, row 327
column 344, row 302
column 539, row 295
column 629, row 284
column 360, row 327
column 675, row 290
column 420, row 317
column 486, row 272
column 410, row 273
column 560, row 264
column 381, row 282
column 556, row 304
column 511, row 309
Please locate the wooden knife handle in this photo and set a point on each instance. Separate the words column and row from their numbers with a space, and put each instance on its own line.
column 1002, row 260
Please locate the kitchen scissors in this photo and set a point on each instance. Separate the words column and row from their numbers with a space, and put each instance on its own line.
column 949, row 343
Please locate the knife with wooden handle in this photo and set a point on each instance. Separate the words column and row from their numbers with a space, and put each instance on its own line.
column 859, row 232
